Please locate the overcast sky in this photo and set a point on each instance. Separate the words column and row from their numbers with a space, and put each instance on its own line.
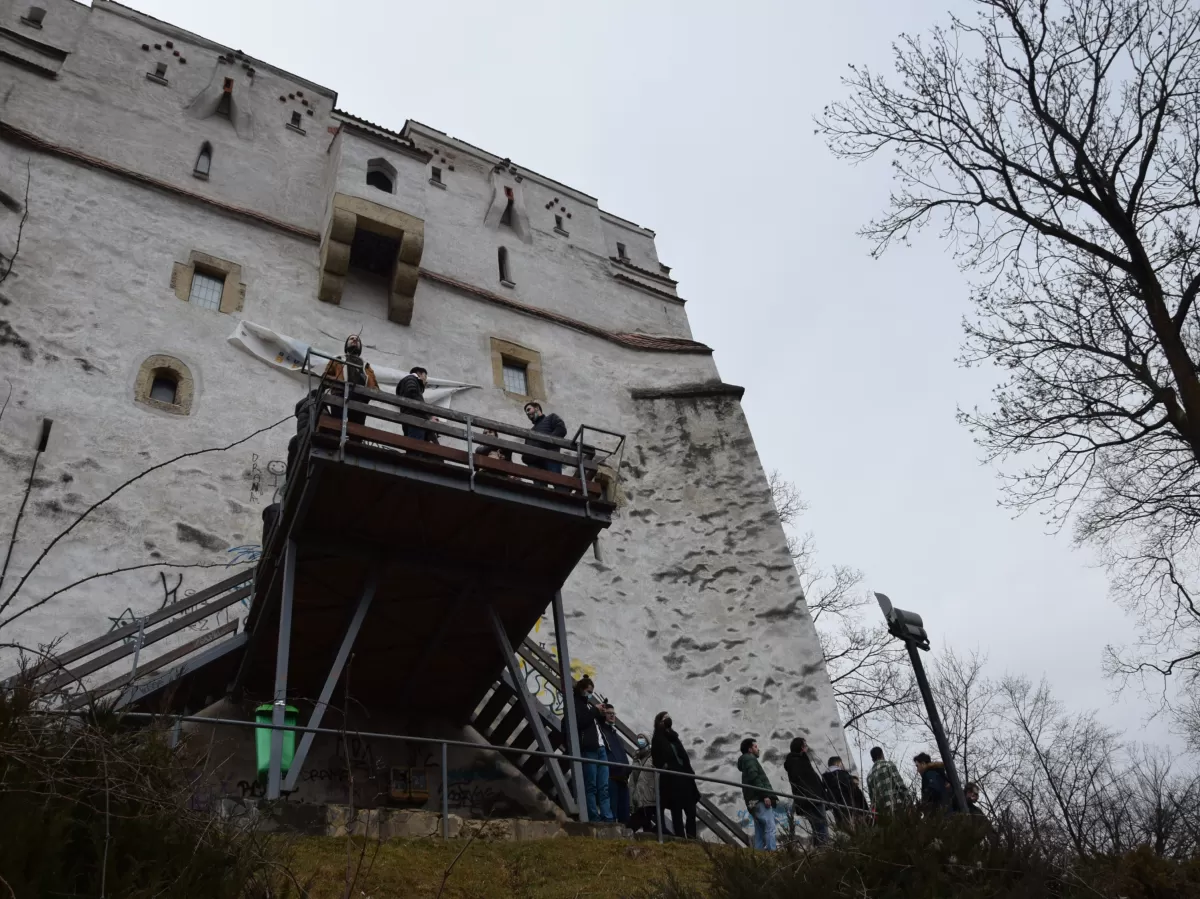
column 695, row 119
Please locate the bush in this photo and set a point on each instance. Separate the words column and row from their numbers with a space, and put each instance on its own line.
column 944, row 857
column 90, row 806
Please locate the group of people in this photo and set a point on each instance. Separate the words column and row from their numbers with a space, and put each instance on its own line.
column 351, row 366
column 839, row 791
column 625, row 791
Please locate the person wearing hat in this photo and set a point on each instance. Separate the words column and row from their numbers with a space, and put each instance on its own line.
column 350, row 366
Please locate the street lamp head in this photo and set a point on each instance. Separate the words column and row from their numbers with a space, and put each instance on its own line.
column 908, row 626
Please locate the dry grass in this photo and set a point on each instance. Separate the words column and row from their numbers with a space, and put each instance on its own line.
column 574, row 868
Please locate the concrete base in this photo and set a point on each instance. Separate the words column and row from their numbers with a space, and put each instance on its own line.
column 412, row 824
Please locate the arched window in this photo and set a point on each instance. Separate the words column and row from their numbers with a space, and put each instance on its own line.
column 381, row 175
column 165, row 383
column 203, row 161
column 502, row 259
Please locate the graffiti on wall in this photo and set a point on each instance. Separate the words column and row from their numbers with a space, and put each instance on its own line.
column 265, row 476
column 538, row 686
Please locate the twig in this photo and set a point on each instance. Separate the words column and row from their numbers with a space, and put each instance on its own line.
column 9, row 888
column 450, row 867
column 96, row 505
column 107, row 832
column 12, row 260
column 12, row 540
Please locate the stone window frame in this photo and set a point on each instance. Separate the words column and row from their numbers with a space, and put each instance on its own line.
column 233, row 298
column 348, row 215
column 507, row 351
column 185, row 384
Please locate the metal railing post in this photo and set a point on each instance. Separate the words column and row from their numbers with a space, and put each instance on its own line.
column 345, row 410
column 658, row 811
column 470, row 453
column 445, row 796
column 137, row 647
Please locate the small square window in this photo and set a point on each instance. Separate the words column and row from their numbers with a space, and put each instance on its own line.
column 34, row 17
column 558, row 222
column 516, row 377
column 621, row 252
column 296, row 120
column 207, row 290
column 160, row 69
column 436, row 174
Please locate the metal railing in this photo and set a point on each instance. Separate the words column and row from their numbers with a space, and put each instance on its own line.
column 590, row 449
column 444, row 744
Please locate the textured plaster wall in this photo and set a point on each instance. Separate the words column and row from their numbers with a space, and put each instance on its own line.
column 693, row 605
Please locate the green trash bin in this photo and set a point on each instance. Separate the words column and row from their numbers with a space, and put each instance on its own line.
column 262, row 738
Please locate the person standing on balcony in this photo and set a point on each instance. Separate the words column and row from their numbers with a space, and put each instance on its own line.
column 543, row 424
column 351, row 367
column 679, row 794
column 412, row 387
column 618, row 778
column 588, row 716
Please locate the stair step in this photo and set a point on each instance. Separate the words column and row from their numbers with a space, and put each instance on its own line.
column 508, row 726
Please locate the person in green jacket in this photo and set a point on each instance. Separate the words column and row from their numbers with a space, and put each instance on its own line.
column 759, row 795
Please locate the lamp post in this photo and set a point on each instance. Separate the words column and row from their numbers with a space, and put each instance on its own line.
column 909, row 627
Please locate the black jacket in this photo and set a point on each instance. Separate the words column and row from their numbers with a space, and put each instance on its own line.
column 548, row 424
column 615, row 750
column 410, row 388
column 805, row 782
column 587, row 717
column 935, row 788
column 667, row 752
column 841, row 790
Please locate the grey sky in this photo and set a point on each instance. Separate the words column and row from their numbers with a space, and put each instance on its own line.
column 695, row 119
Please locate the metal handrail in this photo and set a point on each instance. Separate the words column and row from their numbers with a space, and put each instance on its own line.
column 574, row 451
column 504, row 750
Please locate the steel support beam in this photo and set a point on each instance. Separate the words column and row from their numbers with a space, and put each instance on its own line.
column 282, row 649
column 568, row 694
column 353, row 626
column 529, row 706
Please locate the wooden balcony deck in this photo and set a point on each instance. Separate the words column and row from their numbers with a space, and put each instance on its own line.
column 443, row 531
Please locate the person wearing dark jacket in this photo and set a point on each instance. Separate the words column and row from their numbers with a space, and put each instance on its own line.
column 759, row 795
column 807, row 784
column 679, row 794
column 618, row 778
column 350, row 366
column 936, row 794
column 595, row 777
column 841, row 794
column 306, row 410
column 543, row 424
column 412, row 387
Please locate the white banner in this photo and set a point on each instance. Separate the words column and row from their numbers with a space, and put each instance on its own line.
column 287, row 354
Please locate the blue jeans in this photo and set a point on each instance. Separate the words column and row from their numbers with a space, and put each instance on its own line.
column 544, row 464
column 595, row 783
column 764, row 826
column 818, row 823
column 419, row 433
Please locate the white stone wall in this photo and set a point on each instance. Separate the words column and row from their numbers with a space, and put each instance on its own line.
column 693, row 606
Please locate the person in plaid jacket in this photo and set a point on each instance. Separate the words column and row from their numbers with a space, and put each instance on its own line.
column 889, row 793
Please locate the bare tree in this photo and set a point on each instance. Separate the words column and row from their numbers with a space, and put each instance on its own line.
column 868, row 669
column 1054, row 141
